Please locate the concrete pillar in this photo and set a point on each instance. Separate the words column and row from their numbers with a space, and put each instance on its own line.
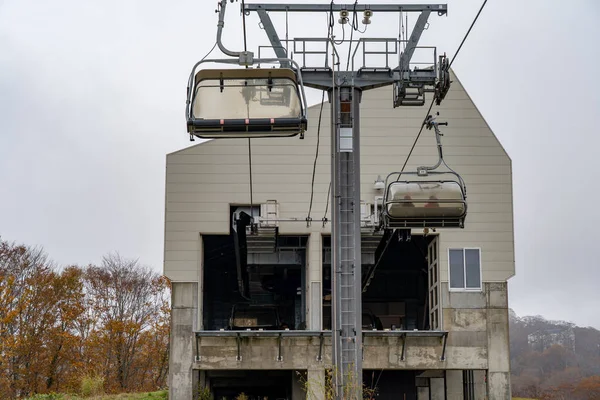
column 422, row 393
column 499, row 385
column 436, row 389
column 479, row 376
column 454, row 385
column 315, row 285
column 498, row 342
column 315, row 384
column 422, row 383
column 184, row 307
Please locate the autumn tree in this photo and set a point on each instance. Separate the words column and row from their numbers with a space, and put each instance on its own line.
column 128, row 302
column 38, row 306
column 58, row 326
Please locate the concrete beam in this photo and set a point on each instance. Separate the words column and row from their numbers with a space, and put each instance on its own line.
column 300, row 353
column 497, row 295
column 464, row 300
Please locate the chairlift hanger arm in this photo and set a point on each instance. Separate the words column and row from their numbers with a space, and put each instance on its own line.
column 441, row 9
column 220, row 25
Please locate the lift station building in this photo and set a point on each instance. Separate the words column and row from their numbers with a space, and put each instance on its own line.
column 435, row 311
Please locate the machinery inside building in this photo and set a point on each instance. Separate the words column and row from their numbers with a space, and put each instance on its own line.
column 254, row 282
column 396, row 296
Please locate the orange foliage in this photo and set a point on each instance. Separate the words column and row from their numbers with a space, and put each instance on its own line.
column 59, row 326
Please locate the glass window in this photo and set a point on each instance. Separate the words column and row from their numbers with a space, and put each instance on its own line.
column 457, row 271
column 465, row 269
column 472, row 269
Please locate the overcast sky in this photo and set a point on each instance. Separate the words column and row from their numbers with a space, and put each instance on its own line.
column 92, row 98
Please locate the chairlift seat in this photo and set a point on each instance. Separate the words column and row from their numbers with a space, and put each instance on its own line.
column 426, row 203
column 246, row 103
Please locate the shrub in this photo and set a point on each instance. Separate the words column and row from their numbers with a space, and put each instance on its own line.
column 204, row 394
column 47, row 396
column 92, row 386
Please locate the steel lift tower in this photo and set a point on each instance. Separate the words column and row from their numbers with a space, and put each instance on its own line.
column 344, row 89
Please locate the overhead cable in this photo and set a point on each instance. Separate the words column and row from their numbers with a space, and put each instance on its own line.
column 312, row 183
column 330, row 26
column 249, row 142
column 432, row 100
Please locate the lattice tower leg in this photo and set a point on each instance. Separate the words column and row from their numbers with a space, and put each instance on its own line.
column 346, row 255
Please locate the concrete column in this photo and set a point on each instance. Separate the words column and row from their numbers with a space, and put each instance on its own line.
column 436, row 389
column 498, row 342
column 184, row 308
column 422, row 383
column 315, row 384
column 315, row 285
column 480, row 384
column 454, row 385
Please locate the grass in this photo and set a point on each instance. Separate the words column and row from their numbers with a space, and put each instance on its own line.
column 161, row 395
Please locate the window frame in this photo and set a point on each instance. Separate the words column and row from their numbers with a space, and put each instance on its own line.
column 465, row 288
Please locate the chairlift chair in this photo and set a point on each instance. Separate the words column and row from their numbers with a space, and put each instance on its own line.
column 427, row 198
column 246, row 102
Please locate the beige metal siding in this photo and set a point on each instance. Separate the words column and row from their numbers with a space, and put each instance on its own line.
column 204, row 179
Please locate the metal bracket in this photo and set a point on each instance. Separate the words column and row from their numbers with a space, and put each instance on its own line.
column 198, row 357
column 444, row 339
column 362, row 352
column 402, row 356
column 279, row 356
column 246, row 58
column 238, row 339
column 321, row 339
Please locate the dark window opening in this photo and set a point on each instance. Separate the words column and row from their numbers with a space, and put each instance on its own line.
column 256, row 385
column 390, row 384
column 274, row 285
column 398, row 295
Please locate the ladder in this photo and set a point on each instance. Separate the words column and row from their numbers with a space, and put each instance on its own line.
column 346, row 261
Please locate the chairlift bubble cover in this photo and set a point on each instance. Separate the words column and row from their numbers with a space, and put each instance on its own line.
column 425, row 203
column 246, row 103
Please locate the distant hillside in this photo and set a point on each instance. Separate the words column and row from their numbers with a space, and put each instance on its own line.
column 550, row 359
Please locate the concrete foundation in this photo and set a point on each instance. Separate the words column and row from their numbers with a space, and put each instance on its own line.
column 184, row 308
column 478, row 340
